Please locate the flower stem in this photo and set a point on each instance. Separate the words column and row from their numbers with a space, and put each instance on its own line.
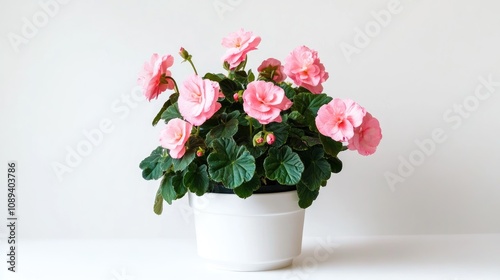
column 251, row 128
column 192, row 65
column 175, row 83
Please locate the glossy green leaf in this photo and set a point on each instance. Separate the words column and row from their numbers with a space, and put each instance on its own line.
column 283, row 165
column 331, row 146
column 306, row 196
column 196, row 179
column 317, row 168
column 230, row 164
column 246, row 189
column 172, row 112
column 167, row 188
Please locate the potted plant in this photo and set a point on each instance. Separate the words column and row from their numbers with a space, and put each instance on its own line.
column 251, row 148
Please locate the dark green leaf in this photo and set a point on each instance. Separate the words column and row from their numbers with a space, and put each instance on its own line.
column 283, row 165
column 331, row 146
column 241, row 76
column 335, row 164
column 229, row 88
column 306, row 196
column 289, row 91
column 230, row 164
column 179, row 188
column 196, row 179
column 256, row 151
column 226, row 130
column 296, row 116
column 311, row 141
column 183, row 162
column 317, row 168
column 247, row 188
column 154, row 165
column 214, row 77
column 298, row 144
column 308, row 105
column 167, row 188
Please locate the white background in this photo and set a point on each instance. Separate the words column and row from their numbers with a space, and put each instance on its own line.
column 79, row 67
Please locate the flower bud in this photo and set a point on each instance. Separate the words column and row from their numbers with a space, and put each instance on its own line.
column 184, row 54
column 200, row 152
column 258, row 139
column 236, row 97
column 270, row 138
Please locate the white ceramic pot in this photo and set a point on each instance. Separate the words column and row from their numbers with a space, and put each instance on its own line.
column 262, row 232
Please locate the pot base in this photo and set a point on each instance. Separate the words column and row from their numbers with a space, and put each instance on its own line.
column 233, row 266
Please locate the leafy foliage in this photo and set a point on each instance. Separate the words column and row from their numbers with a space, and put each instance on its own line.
column 233, row 150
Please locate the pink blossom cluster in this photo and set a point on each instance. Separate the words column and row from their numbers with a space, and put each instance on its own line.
column 346, row 121
column 342, row 120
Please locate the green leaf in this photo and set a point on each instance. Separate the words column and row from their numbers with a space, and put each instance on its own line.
column 154, row 165
column 167, row 188
column 283, row 165
column 158, row 206
column 227, row 130
column 317, row 168
column 229, row 87
column 298, row 144
column 247, row 188
column 306, row 196
column 241, row 76
column 256, row 151
column 331, row 146
column 308, row 105
column 251, row 76
column 196, row 179
column 214, row 77
column 335, row 164
column 311, row 141
column 179, row 188
column 172, row 112
column 280, row 131
column 289, row 91
column 296, row 116
column 171, row 100
column 183, row 162
column 230, row 164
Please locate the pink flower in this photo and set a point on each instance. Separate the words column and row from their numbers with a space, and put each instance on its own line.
column 367, row 136
column 239, row 43
column 304, row 68
column 174, row 137
column 264, row 101
column 274, row 67
column 151, row 76
column 338, row 119
column 198, row 99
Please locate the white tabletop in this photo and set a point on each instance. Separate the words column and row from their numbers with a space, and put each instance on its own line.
column 445, row 257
